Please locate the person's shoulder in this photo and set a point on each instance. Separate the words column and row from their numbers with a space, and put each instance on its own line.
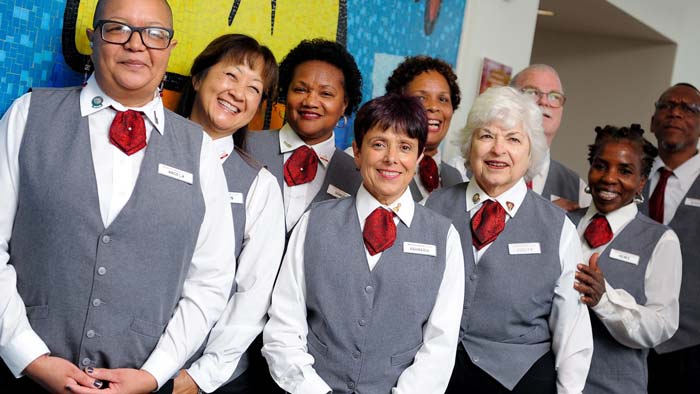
column 180, row 121
column 447, row 194
column 566, row 171
column 433, row 216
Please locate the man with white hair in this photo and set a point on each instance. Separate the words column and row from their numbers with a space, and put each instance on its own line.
column 554, row 181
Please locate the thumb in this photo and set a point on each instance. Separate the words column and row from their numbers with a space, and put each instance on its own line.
column 593, row 261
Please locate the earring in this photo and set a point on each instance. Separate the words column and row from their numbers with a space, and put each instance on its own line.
column 87, row 68
column 638, row 198
column 345, row 123
column 587, row 189
column 162, row 83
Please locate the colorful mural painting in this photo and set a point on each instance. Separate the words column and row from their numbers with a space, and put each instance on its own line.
column 37, row 35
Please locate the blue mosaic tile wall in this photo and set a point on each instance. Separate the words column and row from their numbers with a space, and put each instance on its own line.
column 30, row 48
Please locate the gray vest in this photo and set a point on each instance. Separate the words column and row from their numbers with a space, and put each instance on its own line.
column 449, row 176
column 365, row 327
column 240, row 170
column 341, row 171
column 616, row 368
column 506, row 332
column 561, row 181
column 101, row 296
column 686, row 224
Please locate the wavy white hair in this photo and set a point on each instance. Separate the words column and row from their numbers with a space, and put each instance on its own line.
column 507, row 108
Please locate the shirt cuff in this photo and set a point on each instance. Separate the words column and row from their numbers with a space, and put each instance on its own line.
column 200, row 372
column 22, row 350
column 312, row 384
column 161, row 366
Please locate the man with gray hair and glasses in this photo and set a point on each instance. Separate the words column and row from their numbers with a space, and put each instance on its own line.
column 554, row 181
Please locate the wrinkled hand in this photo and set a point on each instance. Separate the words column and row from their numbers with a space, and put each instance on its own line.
column 121, row 381
column 56, row 374
column 184, row 384
column 591, row 283
column 566, row 205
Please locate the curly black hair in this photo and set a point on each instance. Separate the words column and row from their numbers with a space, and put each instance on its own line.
column 415, row 65
column 329, row 52
column 633, row 134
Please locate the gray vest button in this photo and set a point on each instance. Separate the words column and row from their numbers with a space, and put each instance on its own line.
column 106, row 239
column 90, row 334
column 101, row 271
column 351, row 384
column 86, row 361
column 362, row 322
column 369, row 289
column 96, row 302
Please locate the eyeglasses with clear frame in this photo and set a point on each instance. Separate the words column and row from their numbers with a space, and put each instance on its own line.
column 120, row 33
column 554, row 98
column 686, row 108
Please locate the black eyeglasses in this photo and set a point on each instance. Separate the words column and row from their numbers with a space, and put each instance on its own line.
column 120, row 33
column 555, row 99
column 686, row 108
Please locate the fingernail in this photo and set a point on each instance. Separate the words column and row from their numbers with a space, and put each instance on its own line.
column 89, row 369
column 97, row 383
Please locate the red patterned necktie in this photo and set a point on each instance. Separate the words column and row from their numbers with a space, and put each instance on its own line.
column 301, row 166
column 656, row 202
column 380, row 231
column 487, row 223
column 529, row 184
column 428, row 172
column 128, row 132
column 598, row 231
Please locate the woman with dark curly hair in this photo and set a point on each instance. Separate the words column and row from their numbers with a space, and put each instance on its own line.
column 320, row 84
column 229, row 80
column 632, row 282
column 435, row 84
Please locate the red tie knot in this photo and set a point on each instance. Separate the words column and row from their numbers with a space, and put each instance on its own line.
column 379, row 233
column 428, row 172
column 128, row 131
column 487, row 223
column 301, row 166
column 598, row 231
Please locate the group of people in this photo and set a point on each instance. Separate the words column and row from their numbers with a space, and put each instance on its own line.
column 140, row 254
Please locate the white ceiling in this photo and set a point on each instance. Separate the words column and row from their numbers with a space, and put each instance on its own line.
column 594, row 17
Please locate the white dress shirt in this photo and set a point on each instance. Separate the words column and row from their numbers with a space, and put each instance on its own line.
column 297, row 198
column 538, row 181
column 285, row 347
column 633, row 325
column 209, row 278
column 569, row 323
column 257, row 266
column 678, row 184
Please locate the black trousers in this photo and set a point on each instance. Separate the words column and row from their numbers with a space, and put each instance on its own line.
column 676, row 372
column 469, row 378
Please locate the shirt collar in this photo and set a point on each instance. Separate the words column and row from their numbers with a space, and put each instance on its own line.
column 404, row 207
column 437, row 157
column 223, row 147
column 617, row 218
column 290, row 141
column 93, row 99
column 685, row 173
column 510, row 200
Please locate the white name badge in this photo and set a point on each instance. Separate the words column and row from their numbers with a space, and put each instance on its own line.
column 336, row 192
column 174, row 173
column 624, row 256
column 417, row 248
column 693, row 202
column 235, row 197
column 524, row 248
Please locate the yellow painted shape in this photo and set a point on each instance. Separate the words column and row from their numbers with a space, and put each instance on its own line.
column 197, row 23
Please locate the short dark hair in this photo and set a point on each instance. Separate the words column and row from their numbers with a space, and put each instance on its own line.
column 403, row 113
column 100, row 5
column 331, row 53
column 632, row 134
column 412, row 66
column 238, row 49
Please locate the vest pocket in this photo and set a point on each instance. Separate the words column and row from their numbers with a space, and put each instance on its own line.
column 316, row 343
column 405, row 357
column 37, row 312
column 147, row 328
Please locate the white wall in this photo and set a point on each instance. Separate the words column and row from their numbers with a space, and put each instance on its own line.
column 501, row 30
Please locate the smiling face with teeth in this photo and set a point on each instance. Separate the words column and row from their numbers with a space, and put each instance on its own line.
column 615, row 175
column 433, row 91
column 228, row 96
column 499, row 157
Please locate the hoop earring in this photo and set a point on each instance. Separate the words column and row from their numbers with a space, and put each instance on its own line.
column 638, row 198
column 345, row 123
column 587, row 189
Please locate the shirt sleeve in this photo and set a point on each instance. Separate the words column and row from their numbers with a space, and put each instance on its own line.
column 432, row 365
column 572, row 340
column 209, row 278
column 284, row 336
column 19, row 344
column 645, row 326
column 246, row 312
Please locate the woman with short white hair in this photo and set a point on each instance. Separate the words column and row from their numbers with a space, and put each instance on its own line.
column 524, row 329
